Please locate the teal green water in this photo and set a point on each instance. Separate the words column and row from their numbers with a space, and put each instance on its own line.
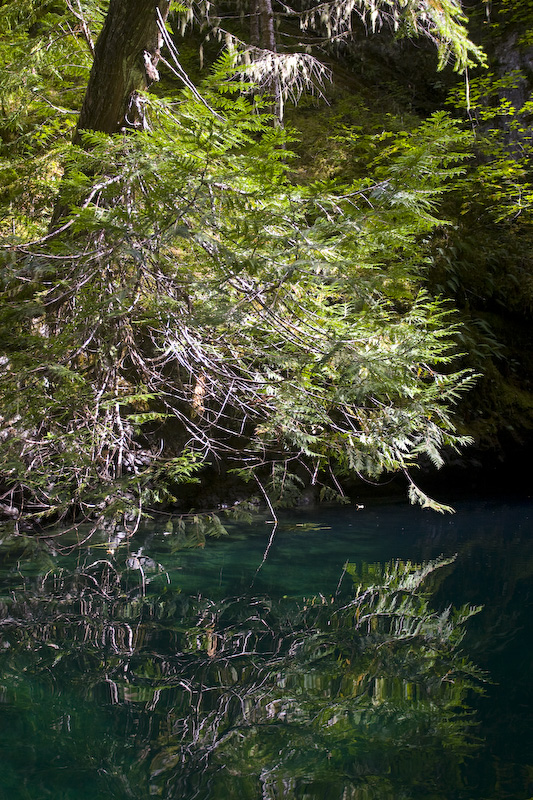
column 151, row 670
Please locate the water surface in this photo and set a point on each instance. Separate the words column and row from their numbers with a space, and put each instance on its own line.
column 130, row 670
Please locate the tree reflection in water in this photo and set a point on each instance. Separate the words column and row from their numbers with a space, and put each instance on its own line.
column 116, row 694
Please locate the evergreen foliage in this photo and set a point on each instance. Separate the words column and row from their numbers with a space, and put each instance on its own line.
column 285, row 65
column 213, row 306
column 483, row 262
column 195, row 306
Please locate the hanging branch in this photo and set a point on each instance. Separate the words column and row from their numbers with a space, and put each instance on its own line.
column 84, row 26
column 273, row 531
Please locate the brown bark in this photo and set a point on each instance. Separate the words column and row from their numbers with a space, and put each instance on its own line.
column 255, row 38
column 125, row 62
column 268, row 34
column 125, row 59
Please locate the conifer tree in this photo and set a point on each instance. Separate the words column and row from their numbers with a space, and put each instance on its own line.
column 194, row 306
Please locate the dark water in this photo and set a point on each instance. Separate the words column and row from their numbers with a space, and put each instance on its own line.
column 153, row 669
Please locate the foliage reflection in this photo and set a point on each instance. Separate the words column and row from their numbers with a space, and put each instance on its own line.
column 119, row 694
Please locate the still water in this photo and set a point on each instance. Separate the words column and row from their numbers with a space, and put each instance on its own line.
column 150, row 669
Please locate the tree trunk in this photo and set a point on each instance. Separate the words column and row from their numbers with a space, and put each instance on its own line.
column 125, row 59
column 255, row 37
column 268, row 34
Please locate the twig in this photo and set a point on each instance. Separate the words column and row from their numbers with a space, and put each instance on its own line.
column 84, row 26
column 179, row 71
column 273, row 532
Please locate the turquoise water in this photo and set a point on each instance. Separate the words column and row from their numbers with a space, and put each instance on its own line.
column 149, row 669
